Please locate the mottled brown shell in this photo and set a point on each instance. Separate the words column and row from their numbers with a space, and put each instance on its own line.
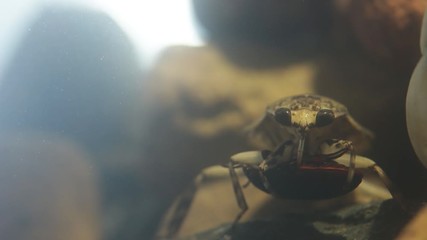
column 309, row 101
column 268, row 134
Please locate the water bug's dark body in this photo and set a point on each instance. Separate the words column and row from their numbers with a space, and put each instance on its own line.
column 307, row 182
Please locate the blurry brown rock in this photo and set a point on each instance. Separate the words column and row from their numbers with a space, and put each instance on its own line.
column 416, row 229
column 271, row 21
column 49, row 190
column 75, row 74
column 255, row 34
column 389, row 29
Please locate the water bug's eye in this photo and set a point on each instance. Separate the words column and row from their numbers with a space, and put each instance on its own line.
column 324, row 117
column 283, row 116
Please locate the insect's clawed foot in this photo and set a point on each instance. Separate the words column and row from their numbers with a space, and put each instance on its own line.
column 228, row 234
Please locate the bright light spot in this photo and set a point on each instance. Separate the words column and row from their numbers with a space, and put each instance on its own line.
column 154, row 25
column 151, row 25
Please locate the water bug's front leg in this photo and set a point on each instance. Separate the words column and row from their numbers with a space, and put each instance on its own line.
column 366, row 163
column 238, row 192
column 335, row 148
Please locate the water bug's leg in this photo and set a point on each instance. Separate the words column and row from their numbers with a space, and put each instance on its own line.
column 332, row 149
column 279, row 155
column 366, row 163
column 352, row 165
column 180, row 208
column 280, row 149
column 246, row 184
column 396, row 194
column 300, row 150
column 249, row 158
column 238, row 192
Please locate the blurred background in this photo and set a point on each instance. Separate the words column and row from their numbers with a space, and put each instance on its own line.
column 108, row 109
column 71, row 74
column 167, row 26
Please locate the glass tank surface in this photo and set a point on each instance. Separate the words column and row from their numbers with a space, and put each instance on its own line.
column 210, row 119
